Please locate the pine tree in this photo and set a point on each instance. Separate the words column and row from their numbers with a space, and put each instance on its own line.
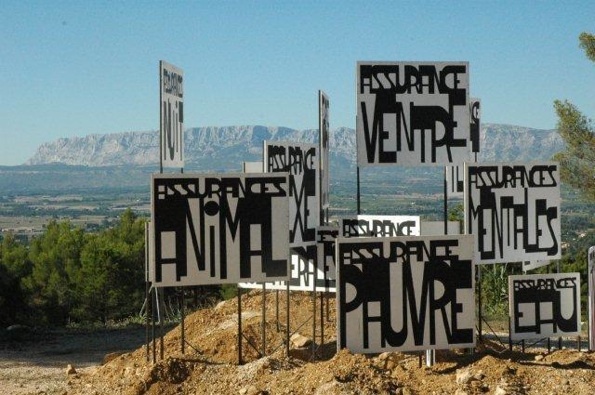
column 577, row 162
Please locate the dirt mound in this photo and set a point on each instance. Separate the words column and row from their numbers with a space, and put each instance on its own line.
column 210, row 362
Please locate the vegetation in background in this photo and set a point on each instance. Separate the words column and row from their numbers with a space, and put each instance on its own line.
column 14, row 265
column 578, row 160
column 577, row 169
column 68, row 276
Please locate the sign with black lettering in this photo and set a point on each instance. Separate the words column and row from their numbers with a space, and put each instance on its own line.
column 326, row 237
column 412, row 113
column 455, row 183
column 218, row 229
column 544, row 305
column 379, row 226
column 513, row 210
column 301, row 162
column 475, row 108
column 310, row 265
column 405, row 293
column 591, row 297
column 171, row 103
column 323, row 122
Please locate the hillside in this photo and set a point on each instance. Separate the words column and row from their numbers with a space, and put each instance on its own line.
column 126, row 160
column 213, row 148
column 209, row 365
column 226, row 148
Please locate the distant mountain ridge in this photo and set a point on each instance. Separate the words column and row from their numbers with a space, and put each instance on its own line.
column 125, row 161
column 227, row 147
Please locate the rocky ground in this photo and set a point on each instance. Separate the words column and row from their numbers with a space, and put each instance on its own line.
column 209, row 364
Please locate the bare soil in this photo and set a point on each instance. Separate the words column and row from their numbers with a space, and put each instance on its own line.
column 209, row 364
column 35, row 361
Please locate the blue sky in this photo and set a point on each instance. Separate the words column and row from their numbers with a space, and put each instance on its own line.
column 74, row 68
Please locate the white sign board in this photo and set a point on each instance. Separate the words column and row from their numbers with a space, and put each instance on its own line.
column 301, row 162
column 252, row 167
column 303, row 276
column 432, row 228
column 326, row 237
column 219, row 228
column 412, row 113
column 323, row 122
column 379, row 226
column 513, row 211
column 171, row 110
column 405, row 293
column 475, row 109
column 455, row 181
column 544, row 305
column 532, row 265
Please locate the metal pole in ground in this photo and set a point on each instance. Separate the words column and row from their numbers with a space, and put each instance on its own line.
column 264, row 338
column 147, row 290
column 479, row 302
column 287, row 321
column 239, row 325
column 314, row 312
column 358, row 193
column 277, row 309
column 161, row 303
column 182, row 326
column 322, row 297
column 153, row 308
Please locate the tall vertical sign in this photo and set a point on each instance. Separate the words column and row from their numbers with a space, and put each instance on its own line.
column 455, row 180
column 454, row 173
column 474, row 108
column 326, row 238
column 513, row 211
column 301, row 162
column 411, row 113
column 323, row 127
column 171, row 109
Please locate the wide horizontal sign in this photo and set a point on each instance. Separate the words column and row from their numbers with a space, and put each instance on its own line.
column 413, row 113
column 216, row 229
column 544, row 305
column 379, row 226
column 405, row 293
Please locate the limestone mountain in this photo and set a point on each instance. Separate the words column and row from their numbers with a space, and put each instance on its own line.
column 225, row 148
column 212, row 148
column 127, row 160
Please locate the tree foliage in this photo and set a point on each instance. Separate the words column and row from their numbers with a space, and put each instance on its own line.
column 587, row 42
column 14, row 265
column 111, row 278
column 66, row 275
column 578, row 160
column 55, row 257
